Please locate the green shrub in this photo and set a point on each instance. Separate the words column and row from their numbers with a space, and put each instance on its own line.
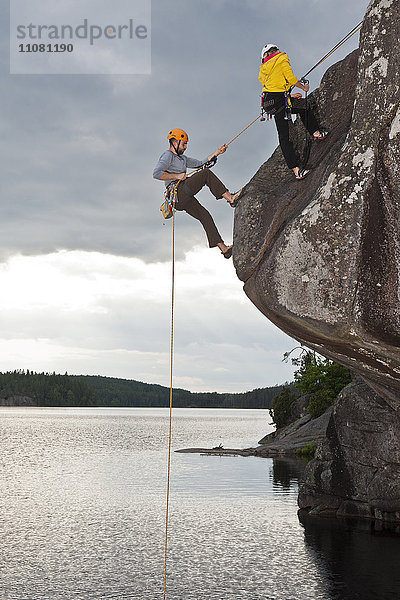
column 322, row 379
column 282, row 407
column 307, row 451
column 320, row 401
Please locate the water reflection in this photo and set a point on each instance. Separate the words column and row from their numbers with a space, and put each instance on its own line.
column 357, row 561
column 287, row 472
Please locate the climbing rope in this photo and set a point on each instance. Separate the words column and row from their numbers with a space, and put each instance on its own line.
column 170, row 398
column 227, row 144
column 243, row 130
column 346, row 37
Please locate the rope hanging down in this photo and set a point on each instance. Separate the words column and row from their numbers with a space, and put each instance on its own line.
column 170, row 397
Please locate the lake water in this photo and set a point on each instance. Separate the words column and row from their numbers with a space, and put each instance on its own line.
column 82, row 504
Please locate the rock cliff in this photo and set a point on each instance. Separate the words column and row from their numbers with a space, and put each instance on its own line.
column 321, row 257
column 18, row 401
column 357, row 467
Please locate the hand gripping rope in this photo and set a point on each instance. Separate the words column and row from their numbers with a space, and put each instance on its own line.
column 173, row 201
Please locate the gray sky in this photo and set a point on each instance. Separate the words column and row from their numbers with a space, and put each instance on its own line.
column 85, row 268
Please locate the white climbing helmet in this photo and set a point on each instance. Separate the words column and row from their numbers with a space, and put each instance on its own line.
column 266, row 48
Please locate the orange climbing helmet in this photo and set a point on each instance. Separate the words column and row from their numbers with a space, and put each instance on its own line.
column 178, row 134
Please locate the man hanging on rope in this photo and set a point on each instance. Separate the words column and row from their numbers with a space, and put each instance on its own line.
column 171, row 168
column 277, row 79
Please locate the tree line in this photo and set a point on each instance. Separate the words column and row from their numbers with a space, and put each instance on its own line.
column 51, row 389
column 46, row 389
column 111, row 391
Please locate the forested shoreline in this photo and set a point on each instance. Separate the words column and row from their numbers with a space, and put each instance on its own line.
column 51, row 389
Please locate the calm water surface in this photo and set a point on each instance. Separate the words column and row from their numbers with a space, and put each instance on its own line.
column 82, row 501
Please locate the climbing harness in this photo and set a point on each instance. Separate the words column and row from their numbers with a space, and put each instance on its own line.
column 267, row 107
column 171, row 192
column 170, row 195
column 288, row 105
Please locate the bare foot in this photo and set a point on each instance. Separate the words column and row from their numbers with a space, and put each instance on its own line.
column 228, row 196
column 233, row 199
column 226, row 251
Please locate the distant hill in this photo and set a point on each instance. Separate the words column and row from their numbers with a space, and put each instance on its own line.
column 51, row 389
column 26, row 388
column 111, row 391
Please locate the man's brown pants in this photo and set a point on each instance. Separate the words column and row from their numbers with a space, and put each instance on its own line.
column 189, row 204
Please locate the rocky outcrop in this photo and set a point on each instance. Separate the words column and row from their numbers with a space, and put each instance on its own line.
column 294, row 437
column 356, row 471
column 18, row 401
column 284, row 442
column 321, row 257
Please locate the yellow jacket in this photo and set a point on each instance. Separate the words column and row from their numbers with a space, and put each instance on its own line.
column 276, row 74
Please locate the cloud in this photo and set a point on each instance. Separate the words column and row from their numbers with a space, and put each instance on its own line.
column 104, row 314
column 78, row 151
column 85, row 254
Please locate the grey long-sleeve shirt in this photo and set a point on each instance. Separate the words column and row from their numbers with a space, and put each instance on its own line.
column 172, row 163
